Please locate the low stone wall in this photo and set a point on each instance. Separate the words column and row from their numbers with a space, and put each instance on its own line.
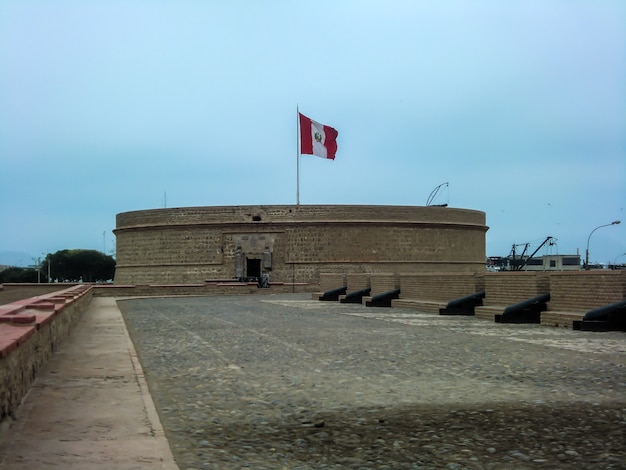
column 504, row 289
column 431, row 292
column 572, row 294
column 384, row 282
column 381, row 283
column 30, row 330
column 330, row 281
column 358, row 281
column 512, row 287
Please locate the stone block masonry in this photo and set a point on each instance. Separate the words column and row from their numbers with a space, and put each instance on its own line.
column 504, row 289
column 330, row 281
column 295, row 243
column 572, row 294
column 431, row 292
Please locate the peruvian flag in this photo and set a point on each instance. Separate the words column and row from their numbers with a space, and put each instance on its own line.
column 317, row 139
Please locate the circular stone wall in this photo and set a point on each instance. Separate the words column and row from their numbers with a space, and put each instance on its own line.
column 294, row 243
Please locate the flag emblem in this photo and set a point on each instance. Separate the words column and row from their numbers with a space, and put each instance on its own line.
column 317, row 139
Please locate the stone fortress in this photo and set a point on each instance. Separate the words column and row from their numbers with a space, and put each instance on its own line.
column 430, row 260
column 295, row 243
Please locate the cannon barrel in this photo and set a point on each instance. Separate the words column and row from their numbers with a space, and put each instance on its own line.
column 356, row 296
column 535, row 302
column 527, row 311
column 603, row 313
column 333, row 294
column 474, row 299
column 386, row 295
column 384, row 299
column 610, row 317
column 463, row 305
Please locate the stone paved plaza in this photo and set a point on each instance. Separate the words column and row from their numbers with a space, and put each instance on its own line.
column 282, row 381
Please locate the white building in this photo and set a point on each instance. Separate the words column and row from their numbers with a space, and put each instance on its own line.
column 553, row 263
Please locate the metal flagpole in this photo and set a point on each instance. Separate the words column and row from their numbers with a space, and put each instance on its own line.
column 298, row 155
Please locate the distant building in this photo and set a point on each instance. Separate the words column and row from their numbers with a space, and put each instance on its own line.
column 553, row 263
column 542, row 263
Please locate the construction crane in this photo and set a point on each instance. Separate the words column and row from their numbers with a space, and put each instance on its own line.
column 523, row 262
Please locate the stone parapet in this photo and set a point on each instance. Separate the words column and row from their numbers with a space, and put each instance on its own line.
column 430, row 292
column 440, row 287
column 572, row 294
column 329, row 281
column 582, row 291
column 30, row 330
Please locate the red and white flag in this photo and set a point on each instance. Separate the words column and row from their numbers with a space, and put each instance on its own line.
column 317, row 139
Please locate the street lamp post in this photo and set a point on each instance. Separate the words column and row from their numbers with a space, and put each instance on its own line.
column 47, row 258
column 615, row 222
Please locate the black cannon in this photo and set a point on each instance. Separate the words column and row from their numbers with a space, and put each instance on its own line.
column 463, row 305
column 384, row 299
column 356, row 297
column 333, row 294
column 610, row 317
column 527, row 311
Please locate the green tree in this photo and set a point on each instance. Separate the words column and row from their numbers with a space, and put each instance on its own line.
column 79, row 265
column 18, row 275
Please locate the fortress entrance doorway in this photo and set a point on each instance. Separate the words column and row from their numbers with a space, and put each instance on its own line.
column 253, row 268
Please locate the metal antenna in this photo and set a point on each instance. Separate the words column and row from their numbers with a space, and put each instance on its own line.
column 434, row 193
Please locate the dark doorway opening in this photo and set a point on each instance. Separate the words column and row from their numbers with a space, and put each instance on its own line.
column 253, row 268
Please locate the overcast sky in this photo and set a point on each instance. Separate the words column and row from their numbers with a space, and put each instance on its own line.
column 114, row 106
